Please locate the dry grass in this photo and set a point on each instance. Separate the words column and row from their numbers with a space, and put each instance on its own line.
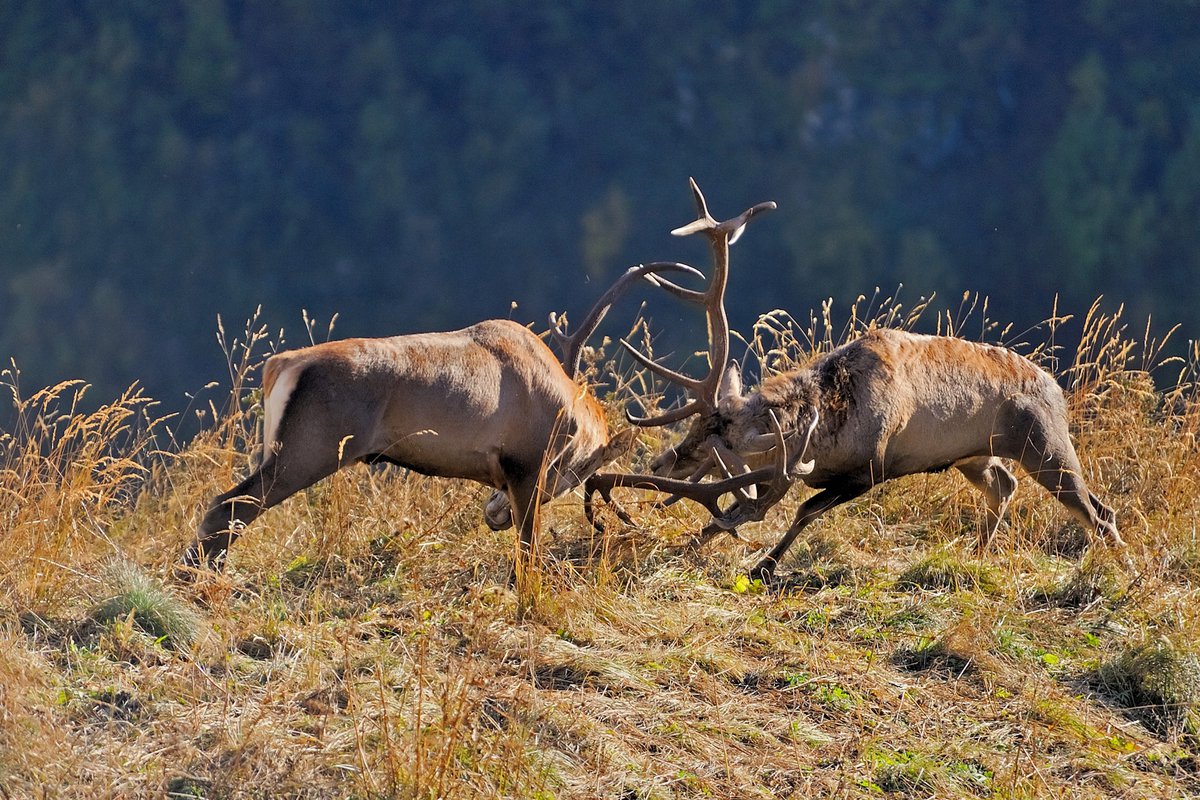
column 364, row 644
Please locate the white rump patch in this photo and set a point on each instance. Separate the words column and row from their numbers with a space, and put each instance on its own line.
column 274, row 405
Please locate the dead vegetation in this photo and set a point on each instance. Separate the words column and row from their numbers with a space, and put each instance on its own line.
column 364, row 642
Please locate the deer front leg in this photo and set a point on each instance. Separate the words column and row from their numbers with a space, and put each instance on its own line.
column 524, row 496
column 809, row 510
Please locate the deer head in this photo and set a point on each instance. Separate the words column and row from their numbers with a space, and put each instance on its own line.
column 724, row 439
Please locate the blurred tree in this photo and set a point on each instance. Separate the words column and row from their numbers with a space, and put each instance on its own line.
column 1101, row 221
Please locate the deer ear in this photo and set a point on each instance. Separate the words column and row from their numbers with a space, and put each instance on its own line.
column 731, row 385
column 618, row 446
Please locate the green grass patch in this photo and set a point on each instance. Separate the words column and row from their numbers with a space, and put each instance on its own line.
column 944, row 571
column 910, row 772
column 142, row 600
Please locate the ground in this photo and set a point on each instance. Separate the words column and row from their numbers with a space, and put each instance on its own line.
column 364, row 641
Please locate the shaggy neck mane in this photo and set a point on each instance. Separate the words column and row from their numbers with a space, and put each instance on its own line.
column 787, row 393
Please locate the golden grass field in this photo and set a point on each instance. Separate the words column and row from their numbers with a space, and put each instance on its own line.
column 364, row 642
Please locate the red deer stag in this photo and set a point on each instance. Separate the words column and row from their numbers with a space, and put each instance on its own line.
column 488, row 403
column 888, row 404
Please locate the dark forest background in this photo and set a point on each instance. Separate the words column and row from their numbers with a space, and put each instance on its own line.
column 419, row 166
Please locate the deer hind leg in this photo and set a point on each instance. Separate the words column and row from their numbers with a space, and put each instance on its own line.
column 230, row 512
column 998, row 484
column 497, row 511
column 1047, row 455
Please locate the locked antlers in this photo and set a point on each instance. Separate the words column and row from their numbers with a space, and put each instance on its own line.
column 745, row 508
column 754, row 491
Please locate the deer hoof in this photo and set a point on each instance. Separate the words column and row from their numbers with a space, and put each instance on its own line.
column 763, row 571
column 184, row 573
column 198, row 558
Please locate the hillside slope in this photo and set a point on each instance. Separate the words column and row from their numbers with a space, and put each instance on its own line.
column 364, row 644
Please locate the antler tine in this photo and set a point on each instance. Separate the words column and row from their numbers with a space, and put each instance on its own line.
column 686, row 295
column 703, row 219
column 572, row 345
column 666, row 372
column 754, row 506
column 781, row 481
column 683, row 412
column 720, row 234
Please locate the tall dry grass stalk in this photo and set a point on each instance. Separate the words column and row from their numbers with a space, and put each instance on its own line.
column 67, row 476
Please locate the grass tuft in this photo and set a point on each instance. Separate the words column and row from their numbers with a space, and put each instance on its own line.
column 944, row 571
column 1158, row 682
column 1094, row 580
column 908, row 772
column 961, row 650
column 184, row 788
column 137, row 597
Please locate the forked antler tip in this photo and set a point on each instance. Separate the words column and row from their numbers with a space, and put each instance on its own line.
column 732, row 228
column 704, row 223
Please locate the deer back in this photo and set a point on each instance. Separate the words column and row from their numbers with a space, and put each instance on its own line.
column 440, row 403
column 912, row 403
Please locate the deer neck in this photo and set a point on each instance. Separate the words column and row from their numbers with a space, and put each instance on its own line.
column 789, row 395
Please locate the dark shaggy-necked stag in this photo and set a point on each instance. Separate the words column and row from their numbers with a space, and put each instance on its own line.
column 887, row 404
column 488, row 403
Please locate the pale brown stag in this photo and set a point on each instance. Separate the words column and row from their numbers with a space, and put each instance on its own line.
column 887, row 404
column 488, row 403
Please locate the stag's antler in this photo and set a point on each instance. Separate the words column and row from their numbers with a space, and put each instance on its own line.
column 704, row 390
column 754, row 491
column 571, row 346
